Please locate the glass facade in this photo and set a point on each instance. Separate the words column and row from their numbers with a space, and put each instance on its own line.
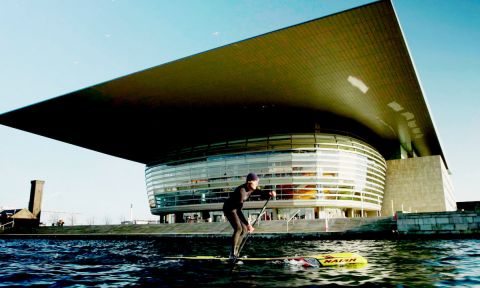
column 307, row 170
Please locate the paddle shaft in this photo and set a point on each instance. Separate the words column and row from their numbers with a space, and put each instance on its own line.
column 244, row 240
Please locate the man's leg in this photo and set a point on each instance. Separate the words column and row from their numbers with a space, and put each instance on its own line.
column 243, row 232
column 238, row 228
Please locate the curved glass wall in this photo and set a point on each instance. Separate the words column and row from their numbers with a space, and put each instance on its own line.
column 314, row 169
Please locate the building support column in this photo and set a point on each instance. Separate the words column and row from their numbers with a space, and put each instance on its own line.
column 179, row 217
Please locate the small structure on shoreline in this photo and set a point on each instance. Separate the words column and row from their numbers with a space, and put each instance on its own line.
column 23, row 217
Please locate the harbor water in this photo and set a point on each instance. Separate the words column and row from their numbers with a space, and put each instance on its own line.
column 114, row 263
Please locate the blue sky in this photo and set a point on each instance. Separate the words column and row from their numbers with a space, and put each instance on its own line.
column 49, row 48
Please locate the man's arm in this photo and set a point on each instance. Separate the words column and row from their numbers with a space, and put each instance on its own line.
column 265, row 194
column 242, row 217
column 260, row 194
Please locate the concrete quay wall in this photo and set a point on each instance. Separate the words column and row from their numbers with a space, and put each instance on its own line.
column 431, row 225
column 341, row 228
column 455, row 223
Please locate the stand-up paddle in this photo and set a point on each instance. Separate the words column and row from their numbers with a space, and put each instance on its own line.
column 244, row 240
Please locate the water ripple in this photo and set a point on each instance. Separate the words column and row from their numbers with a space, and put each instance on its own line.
column 80, row 263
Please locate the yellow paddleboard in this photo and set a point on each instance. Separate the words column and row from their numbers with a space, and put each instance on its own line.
column 333, row 259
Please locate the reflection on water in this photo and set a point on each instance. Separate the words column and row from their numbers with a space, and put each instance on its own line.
column 133, row 263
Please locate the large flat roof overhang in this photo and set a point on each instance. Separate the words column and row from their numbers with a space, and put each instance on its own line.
column 350, row 69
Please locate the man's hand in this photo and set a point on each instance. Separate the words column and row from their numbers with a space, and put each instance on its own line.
column 273, row 193
column 250, row 228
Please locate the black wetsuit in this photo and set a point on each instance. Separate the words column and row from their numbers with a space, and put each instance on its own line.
column 232, row 208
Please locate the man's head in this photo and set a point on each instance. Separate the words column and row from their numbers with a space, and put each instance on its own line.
column 252, row 181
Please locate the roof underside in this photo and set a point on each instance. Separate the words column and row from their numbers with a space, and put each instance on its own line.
column 305, row 78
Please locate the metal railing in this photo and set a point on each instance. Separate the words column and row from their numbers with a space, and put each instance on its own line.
column 291, row 218
column 3, row 226
column 259, row 217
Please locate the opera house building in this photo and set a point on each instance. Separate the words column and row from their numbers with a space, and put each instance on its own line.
column 329, row 113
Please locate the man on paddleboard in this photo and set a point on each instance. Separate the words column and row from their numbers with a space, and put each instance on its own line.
column 232, row 208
